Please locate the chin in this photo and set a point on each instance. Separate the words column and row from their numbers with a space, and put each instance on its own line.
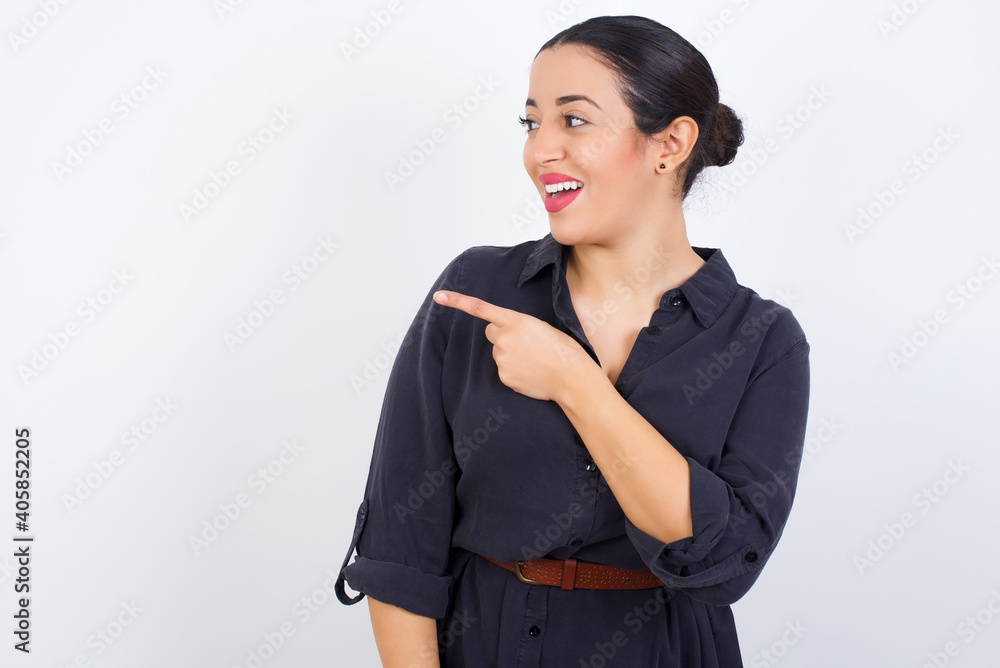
column 571, row 230
column 565, row 233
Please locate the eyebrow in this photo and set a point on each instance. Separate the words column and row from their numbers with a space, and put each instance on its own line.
column 565, row 99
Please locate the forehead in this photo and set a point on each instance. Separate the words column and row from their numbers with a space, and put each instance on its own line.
column 571, row 69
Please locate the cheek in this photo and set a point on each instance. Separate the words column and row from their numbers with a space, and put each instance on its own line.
column 618, row 173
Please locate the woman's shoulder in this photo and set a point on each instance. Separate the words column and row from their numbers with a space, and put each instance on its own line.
column 720, row 295
column 512, row 253
column 485, row 265
column 774, row 324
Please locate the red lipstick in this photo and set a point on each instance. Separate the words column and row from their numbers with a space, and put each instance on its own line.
column 559, row 200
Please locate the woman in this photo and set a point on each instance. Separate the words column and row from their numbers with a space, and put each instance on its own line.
column 590, row 442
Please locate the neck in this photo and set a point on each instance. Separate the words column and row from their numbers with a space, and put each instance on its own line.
column 634, row 271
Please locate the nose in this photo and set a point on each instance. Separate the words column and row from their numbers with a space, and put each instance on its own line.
column 547, row 145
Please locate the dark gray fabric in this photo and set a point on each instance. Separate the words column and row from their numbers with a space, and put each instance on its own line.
column 722, row 373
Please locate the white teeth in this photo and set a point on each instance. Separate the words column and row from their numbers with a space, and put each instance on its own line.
column 565, row 185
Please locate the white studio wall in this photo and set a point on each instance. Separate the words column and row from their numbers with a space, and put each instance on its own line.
column 219, row 217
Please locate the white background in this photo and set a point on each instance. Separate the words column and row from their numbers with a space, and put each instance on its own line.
column 878, row 432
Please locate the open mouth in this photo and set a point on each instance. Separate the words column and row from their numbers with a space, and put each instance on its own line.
column 560, row 190
column 555, row 190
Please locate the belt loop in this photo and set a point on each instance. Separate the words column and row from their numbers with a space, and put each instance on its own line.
column 568, row 574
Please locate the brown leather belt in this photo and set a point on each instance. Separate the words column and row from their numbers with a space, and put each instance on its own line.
column 570, row 574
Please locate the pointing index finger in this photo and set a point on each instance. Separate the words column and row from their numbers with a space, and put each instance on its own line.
column 473, row 306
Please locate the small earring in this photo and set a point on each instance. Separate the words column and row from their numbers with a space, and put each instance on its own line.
column 662, row 166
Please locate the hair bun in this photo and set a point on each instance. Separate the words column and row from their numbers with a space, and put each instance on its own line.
column 727, row 136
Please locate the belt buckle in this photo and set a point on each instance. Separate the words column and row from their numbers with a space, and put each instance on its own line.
column 517, row 572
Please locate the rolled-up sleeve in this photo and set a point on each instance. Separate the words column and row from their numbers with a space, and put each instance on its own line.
column 739, row 509
column 403, row 526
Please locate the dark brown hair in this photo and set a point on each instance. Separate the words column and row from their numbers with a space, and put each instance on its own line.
column 661, row 76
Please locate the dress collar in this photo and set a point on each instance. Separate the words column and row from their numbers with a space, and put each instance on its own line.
column 708, row 291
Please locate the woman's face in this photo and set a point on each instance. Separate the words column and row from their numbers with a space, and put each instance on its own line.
column 580, row 130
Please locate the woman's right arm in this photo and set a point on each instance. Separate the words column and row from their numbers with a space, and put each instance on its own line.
column 404, row 639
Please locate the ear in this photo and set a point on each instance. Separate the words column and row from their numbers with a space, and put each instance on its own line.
column 675, row 143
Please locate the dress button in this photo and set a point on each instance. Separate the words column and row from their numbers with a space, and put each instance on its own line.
column 677, row 301
column 534, row 631
column 589, row 464
column 576, row 542
column 654, row 330
column 751, row 557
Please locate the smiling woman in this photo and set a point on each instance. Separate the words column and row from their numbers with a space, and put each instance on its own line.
column 589, row 446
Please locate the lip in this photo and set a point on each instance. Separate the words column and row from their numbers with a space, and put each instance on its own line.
column 553, row 204
column 556, row 177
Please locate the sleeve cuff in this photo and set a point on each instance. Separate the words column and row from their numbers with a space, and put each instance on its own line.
column 400, row 585
column 680, row 562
